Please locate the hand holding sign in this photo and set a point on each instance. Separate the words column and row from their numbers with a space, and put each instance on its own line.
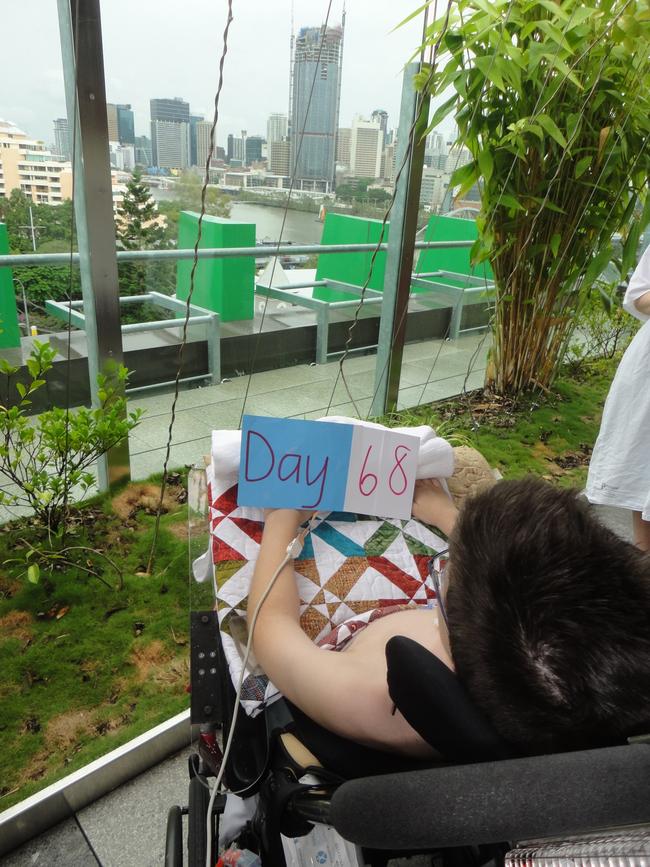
column 324, row 466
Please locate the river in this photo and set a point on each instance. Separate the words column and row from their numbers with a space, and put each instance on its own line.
column 300, row 227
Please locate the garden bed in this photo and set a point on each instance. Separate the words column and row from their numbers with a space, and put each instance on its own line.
column 87, row 667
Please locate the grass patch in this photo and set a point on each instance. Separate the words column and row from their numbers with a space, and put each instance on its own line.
column 86, row 668
column 550, row 435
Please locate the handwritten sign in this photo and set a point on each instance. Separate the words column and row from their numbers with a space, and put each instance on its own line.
column 325, row 466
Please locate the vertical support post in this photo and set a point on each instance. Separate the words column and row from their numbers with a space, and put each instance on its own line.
column 322, row 332
column 401, row 241
column 213, row 338
column 83, row 70
column 456, row 316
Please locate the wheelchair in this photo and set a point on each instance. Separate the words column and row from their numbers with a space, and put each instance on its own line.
column 468, row 807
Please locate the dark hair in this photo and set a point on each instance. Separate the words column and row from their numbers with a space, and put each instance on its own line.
column 549, row 616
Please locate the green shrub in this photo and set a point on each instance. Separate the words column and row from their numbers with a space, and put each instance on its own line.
column 49, row 456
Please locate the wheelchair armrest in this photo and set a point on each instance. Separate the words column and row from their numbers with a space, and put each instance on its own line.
column 490, row 802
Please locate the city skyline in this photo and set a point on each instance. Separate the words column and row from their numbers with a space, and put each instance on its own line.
column 256, row 79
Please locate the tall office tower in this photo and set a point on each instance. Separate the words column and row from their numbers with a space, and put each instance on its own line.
column 254, row 149
column 236, row 153
column 202, row 132
column 388, row 163
column 279, row 157
column 315, row 96
column 194, row 120
column 366, row 145
column 170, row 133
column 143, row 151
column 343, row 146
column 62, row 137
column 111, row 115
column 125, row 125
column 381, row 117
column 276, row 127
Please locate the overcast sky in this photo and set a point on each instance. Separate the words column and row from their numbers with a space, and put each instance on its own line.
column 167, row 48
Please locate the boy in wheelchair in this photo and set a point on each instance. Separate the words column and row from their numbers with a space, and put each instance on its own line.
column 545, row 622
column 539, row 645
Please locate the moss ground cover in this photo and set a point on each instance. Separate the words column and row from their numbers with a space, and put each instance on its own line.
column 85, row 667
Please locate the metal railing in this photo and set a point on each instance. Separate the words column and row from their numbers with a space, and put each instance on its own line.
column 267, row 251
column 198, row 316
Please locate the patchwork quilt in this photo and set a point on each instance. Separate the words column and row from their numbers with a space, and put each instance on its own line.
column 350, row 567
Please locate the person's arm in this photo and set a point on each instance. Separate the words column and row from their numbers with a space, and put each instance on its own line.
column 637, row 294
column 432, row 505
column 642, row 304
column 337, row 690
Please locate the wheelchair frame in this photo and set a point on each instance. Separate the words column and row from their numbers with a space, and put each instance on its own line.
column 526, row 799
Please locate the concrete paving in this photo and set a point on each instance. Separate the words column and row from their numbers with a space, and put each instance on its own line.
column 432, row 369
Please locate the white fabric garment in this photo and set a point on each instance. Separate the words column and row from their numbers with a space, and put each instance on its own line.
column 435, row 459
column 619, row 471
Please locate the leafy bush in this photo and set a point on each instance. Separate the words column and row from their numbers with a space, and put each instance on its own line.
column 604, row 328
column 49, row 456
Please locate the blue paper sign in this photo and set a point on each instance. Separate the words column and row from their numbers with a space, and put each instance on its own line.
column 326, row 466
column 290, row 463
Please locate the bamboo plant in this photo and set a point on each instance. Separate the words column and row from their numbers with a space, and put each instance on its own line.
column 552, row 99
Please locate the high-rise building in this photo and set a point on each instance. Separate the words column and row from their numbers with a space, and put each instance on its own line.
column 315, row 96
column 381, row 117
column 27, row 165
column 343, row 146
column 122, row 157
column 111, row 116
column 279, row 157
column 125, row 125
column 172, row 144
column 236, row 153
column 170, row 133
column 143, row 151
column 194, row 120
column 62, row 138
column 276, row 127
column 366, row 145
column 388, row 163
column 254, row 149
column 202, row 131
column 433, row 188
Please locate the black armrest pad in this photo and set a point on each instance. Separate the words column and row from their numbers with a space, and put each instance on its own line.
column 433, row 701
column 542, row 796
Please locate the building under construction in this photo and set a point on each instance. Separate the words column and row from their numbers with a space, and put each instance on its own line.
column 315, row 92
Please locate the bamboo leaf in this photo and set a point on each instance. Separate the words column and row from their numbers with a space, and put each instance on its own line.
column 486, row 164
column 548, row 124
column 555, row 35
column 555, row 243
column 486, row 64
column 510, row 202
column 554, row 8
column 582, row 166
column 602, row 140
column 630, row 247
column 465, row 177
column 441, row 112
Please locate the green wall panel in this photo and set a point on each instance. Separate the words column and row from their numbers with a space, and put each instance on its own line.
column 9, row 328
column 350, row 267
column 457, row 260
column 224, row 285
